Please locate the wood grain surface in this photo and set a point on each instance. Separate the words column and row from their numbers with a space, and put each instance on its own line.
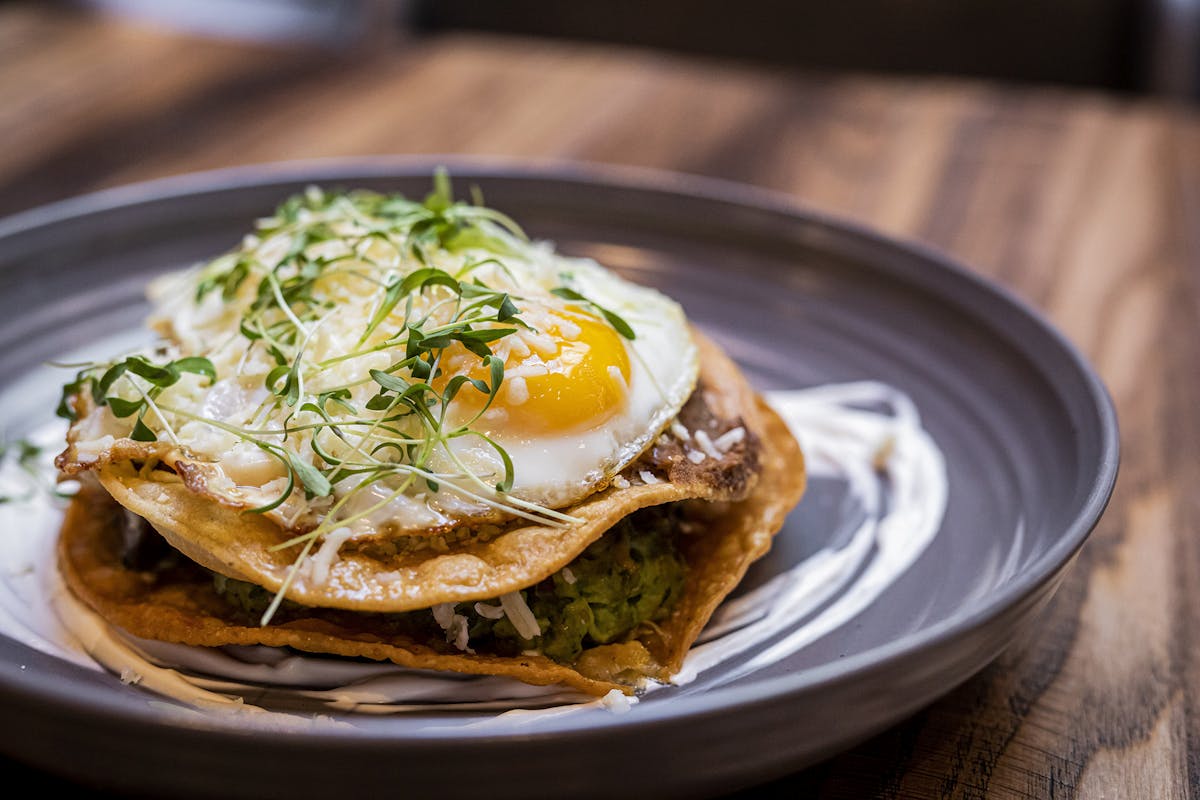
column 1088, row 206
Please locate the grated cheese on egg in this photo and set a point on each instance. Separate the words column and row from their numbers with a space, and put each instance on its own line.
column 518, row 392
column 569, row 329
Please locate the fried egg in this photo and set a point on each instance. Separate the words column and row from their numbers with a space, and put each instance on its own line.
column 594, row 368
column 580, row 401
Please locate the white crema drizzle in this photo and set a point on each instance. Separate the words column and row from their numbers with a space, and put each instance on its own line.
column 865, row 436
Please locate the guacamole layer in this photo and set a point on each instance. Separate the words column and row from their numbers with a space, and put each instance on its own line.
column 629, row 576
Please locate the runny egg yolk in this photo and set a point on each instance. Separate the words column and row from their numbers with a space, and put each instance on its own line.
column 571, row 374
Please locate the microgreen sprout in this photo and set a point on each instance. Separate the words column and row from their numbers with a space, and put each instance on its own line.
column 621, row 326
column 151, row 380
column 381, row 408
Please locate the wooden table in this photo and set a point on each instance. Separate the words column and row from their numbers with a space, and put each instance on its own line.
column 1086, row 205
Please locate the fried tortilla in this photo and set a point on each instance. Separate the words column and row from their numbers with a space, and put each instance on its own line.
column 735, row 505
column 401, row 430
column 366, row 578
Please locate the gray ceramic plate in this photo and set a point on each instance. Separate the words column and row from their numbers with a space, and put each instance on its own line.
column 799, row 299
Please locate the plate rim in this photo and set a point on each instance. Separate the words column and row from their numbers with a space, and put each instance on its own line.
column 1042, row 570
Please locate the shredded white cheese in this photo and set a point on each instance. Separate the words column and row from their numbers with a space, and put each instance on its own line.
column 443, row 614
column 520, row 615
column 568, row 328
column 540, row 343
column 680, row 432
column 325, row 557
column 527, row 371
column 706, row 444
column 648, row 477
column 455, row 625
column 518, row 391
column 459, row 633
column 88, row 451
column 695, row 456
column 620, row 482
column 728, row 439
column 568, row 576
column 489, row 611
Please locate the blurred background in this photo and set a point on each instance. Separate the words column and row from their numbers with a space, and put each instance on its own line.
column 1123, row 45
column 102, row 92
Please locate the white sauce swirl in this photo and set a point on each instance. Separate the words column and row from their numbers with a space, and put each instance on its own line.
column 866, row 437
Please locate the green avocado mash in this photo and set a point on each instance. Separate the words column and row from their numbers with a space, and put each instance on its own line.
column 631, row 575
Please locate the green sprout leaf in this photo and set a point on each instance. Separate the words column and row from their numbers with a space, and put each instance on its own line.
column 621, row 326
column 315, row 483
column 125, row 408
column 141, row 433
